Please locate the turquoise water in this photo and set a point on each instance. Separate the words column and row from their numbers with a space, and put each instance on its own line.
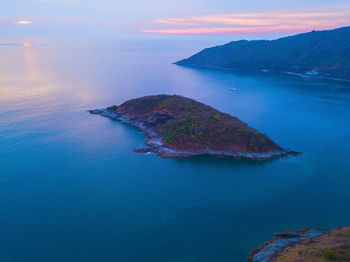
column 71, row 189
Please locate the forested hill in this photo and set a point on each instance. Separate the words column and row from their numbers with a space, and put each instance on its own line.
column 181, row 127
column 323, row 53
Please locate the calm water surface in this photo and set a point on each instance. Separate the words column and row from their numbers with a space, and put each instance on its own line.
column 71, row 189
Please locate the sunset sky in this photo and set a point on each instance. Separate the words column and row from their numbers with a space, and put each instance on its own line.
column 168, row 17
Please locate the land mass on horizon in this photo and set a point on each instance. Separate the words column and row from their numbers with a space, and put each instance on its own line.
column 180, row 127
column 317, row 53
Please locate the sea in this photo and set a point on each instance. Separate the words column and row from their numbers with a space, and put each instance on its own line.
column 72, row 189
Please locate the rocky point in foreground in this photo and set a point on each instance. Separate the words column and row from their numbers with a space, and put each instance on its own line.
column 306, row 245
column 181, row 127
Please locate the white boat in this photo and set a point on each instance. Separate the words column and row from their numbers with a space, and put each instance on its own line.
column 234, row 89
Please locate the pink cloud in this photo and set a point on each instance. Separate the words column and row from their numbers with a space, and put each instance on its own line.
column 251, row 23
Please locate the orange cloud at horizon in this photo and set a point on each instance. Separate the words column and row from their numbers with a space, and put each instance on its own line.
column 28, row 44
column 252, row 23
column 232, row 30
column 22, row 22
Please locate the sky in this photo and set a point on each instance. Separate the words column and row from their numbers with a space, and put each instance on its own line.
column 168, row 18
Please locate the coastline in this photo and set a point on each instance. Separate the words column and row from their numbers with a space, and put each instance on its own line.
column 265, row 71
column 305, row 245
column 155, row 143
column 272, row 249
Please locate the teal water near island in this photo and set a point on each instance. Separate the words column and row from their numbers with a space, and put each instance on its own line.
column 72, row 189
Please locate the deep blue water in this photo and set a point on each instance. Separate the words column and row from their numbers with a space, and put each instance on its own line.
column 71, row 189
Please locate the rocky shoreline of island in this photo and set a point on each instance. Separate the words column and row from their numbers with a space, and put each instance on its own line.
column 156, row 144
column 272, row 249
column 305, row 245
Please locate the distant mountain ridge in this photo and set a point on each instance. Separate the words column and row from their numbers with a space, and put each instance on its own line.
column 317, row 53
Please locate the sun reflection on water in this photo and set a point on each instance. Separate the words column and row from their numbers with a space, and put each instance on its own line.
column 33, row 75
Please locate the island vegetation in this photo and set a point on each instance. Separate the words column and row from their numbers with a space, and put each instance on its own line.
column 306, row 245
column 182, row 127
column 317, row 53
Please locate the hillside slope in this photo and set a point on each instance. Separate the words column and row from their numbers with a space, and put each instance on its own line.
column 323, row 53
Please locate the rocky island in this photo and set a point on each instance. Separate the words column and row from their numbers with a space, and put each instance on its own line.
column 179, row 127
column 305, row 245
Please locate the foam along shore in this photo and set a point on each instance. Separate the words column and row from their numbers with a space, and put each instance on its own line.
column 165, row 121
